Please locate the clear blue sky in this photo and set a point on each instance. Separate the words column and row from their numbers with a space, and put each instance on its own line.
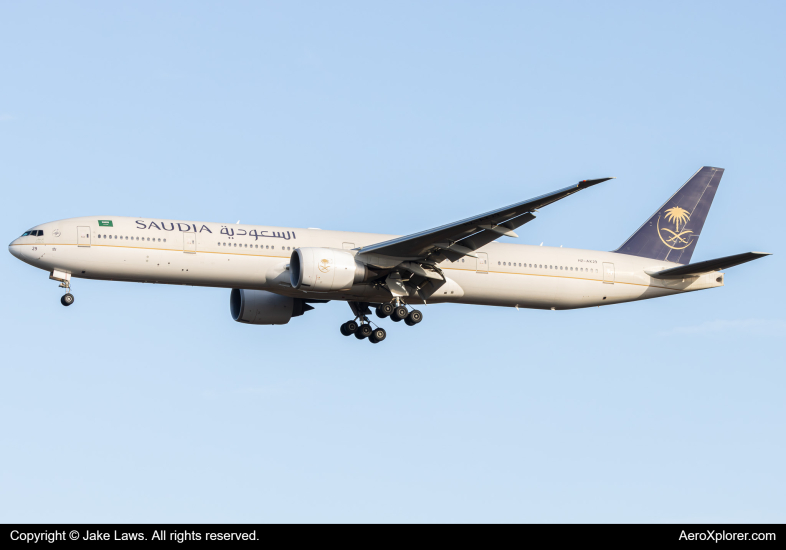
column 147, row 403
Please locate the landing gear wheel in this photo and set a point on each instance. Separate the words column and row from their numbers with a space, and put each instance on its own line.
column 350, row 327
column 384, row 310
column 400, row 313
column 67, row 299
column 344, row 330
column 377, row 336
column 413, row 318
column 363, row 331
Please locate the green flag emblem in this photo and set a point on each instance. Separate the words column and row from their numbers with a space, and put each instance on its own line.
column 104, row 223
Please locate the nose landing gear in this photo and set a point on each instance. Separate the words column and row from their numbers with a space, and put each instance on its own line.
column 65, row 282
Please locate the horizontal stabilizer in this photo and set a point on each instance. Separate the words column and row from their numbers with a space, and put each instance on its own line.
column 699, row 268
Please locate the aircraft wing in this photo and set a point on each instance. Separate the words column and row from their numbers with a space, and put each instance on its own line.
column 463, row 237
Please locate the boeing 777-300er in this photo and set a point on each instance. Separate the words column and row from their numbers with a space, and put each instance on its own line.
column 276, row 273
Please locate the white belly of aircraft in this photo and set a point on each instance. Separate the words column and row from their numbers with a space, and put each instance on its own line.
column 502, row 275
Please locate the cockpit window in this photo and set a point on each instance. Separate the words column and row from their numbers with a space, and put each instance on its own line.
column 26, row 233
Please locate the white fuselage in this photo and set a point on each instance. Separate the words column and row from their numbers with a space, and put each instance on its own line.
column 257, row 257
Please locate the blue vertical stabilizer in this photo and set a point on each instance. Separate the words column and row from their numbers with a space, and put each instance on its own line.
column 672, row 232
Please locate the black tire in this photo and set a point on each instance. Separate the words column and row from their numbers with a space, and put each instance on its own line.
column 384, row 310
column 363, row 331
column 67, row 299
column 378, row 335
column 409, row 322
column 344, row 330
column 373, row 339
column 400, row 313
column 414, row 317
column 352, row 327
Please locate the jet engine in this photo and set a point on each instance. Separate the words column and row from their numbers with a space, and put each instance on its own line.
column 325, row 269
column 260, row 307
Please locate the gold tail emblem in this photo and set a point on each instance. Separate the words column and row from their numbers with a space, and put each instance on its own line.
column 676, row 239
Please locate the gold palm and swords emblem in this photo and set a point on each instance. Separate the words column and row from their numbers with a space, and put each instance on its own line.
column 677, row 239
column 324, row 266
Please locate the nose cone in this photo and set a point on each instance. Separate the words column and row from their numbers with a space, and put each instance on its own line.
column 15, row 249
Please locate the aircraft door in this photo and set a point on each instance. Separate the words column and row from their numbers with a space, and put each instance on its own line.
column 83, row 236
column 483, row 262
column 189, row 243
column 608, row 273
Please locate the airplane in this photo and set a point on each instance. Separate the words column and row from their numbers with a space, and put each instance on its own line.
column 277, row 273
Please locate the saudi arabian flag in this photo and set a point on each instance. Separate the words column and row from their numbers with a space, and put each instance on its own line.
column 104, row 223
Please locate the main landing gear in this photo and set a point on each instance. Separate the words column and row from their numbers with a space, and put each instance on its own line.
column 361, row 327
column 399, row 313
column 363, row 331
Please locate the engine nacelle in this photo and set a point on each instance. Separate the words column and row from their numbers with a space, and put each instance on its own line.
column 260, row 307
column 325, row 269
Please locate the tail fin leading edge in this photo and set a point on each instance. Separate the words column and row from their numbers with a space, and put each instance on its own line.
column 673, row 230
